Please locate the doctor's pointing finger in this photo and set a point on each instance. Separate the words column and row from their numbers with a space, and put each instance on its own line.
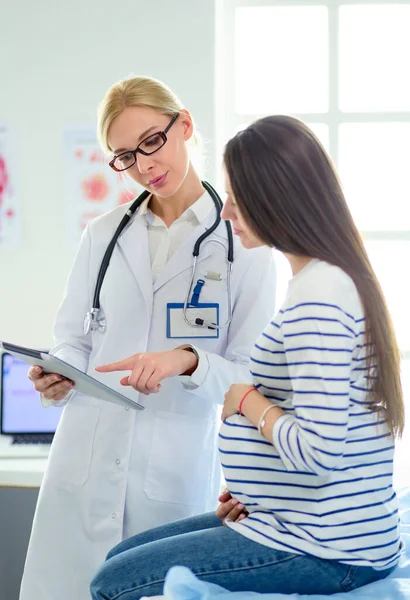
column 150, row 368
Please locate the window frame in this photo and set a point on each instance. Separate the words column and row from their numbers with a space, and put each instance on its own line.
column 228, row 120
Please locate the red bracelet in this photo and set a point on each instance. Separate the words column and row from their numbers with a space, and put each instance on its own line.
column 243, row 398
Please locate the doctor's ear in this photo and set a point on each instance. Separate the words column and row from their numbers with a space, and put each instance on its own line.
column 187, row 124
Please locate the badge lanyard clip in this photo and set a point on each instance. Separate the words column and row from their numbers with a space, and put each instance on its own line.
column 197, row 290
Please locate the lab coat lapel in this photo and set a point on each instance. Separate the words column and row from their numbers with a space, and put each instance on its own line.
column 134, row 248
column 182, row 259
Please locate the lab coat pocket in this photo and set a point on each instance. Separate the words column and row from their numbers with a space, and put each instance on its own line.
column 71, row 452
column 180, row 464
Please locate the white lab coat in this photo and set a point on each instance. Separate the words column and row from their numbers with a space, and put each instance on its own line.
column 172, row 444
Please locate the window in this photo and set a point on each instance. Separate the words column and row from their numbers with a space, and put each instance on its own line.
column 342, row 67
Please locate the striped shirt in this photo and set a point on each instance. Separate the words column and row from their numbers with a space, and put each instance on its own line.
column 324, row 487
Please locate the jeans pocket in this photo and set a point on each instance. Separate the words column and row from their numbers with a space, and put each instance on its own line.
column 359, row 576
column 349, row 582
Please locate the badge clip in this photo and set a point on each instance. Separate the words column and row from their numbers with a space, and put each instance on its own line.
column 196, row 293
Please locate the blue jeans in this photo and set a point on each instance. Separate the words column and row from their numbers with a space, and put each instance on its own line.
column 217, row 554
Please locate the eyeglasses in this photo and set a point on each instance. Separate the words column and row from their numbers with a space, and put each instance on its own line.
column 148, row 146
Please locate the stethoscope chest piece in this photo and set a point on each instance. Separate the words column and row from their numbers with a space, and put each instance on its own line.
column 92, row 323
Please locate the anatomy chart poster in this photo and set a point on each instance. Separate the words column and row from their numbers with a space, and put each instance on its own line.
column 10, row 213
column 92, row 187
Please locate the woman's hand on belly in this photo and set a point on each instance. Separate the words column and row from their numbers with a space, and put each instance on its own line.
column 230, row 508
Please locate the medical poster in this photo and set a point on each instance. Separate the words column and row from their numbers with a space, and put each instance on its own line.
column 10, row 214
column 92, row 187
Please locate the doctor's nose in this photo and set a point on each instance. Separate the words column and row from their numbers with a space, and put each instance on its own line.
column 144, row 163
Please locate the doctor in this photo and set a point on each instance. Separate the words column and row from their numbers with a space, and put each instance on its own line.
column 186, row 336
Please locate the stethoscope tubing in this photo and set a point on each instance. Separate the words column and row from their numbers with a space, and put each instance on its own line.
column 91, row 319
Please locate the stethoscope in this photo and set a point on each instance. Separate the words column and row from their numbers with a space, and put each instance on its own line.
column 93, row 322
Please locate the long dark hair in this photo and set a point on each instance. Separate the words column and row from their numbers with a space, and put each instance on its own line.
column 288, row 192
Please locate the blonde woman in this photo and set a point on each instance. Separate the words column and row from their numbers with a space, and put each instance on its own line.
column 115, row 472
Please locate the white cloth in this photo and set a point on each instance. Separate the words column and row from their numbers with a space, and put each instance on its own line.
column 169, row 450
column 163, row 241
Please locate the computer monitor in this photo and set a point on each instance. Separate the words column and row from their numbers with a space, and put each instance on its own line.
column 21, row 410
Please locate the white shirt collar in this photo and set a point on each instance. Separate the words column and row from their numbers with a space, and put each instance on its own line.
column 202, row 207
column 199, row 211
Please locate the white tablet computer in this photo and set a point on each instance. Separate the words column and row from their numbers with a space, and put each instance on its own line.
column 83, row 383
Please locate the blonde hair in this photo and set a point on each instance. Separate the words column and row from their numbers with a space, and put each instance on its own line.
column 136, row 91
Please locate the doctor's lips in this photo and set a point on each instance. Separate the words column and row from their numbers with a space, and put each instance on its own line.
column 158, row 181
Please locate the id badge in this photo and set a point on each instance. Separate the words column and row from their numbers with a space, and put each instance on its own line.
column 177, row 327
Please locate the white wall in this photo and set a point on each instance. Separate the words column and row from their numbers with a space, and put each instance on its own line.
column 57, row 60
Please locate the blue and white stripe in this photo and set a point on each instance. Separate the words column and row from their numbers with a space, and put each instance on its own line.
column 325, row 485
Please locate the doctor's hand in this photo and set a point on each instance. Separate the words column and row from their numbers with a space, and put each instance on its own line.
column 149, row 369
column 51, row 385
column 230, row 508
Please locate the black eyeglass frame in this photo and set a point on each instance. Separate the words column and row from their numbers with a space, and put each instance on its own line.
column 162, row 134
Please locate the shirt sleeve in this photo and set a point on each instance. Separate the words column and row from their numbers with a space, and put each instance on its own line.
column 71, row 344
column 318, row 341
column 45, row 402
column 192, row 382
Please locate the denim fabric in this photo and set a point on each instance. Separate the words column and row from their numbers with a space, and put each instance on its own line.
column 217, row 554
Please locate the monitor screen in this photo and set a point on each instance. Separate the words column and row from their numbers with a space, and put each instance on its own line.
column 21, row 410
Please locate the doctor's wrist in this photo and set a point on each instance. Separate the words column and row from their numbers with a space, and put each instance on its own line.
column 194, row 358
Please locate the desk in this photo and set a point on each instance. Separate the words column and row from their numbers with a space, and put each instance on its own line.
column 19, row 484
column 22, row 472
